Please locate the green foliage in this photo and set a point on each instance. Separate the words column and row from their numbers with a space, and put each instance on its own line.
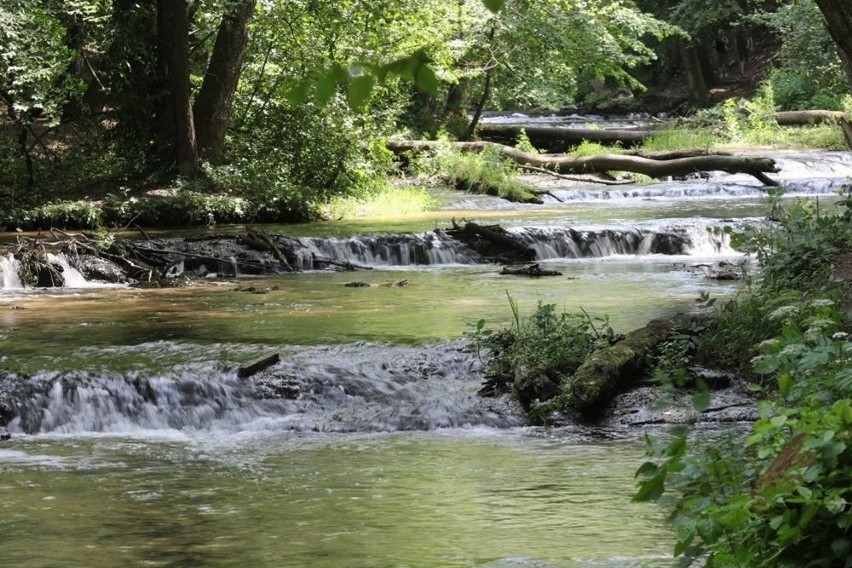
column 810, row 74
column 384, row 199
column 586, row 148
column 547, row 344
column 523, row 143
column 797, row 251
column 679, row 138
column 783, row 497
column 486, row 172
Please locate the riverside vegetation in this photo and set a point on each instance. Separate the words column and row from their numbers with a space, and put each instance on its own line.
column 247, row 112
column 779, row 495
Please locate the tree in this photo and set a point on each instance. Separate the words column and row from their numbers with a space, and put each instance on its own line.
column 838, row 19
column 212, row 108
column 173, row 41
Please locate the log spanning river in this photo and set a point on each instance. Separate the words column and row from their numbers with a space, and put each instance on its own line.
column 133, row 441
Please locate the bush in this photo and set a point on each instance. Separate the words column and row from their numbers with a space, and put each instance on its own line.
column 784, row 496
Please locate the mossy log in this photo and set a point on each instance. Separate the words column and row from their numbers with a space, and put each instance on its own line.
column 616, row 368
column 601, row 163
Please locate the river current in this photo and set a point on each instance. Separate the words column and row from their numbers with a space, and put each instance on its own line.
column 135, row 443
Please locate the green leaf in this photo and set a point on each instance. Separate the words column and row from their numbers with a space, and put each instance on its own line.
column 359, row 90
column 647, row 469
column 701, row 401
column 325, row 88
column 494, row 5
column 299, row 92
column 653, row 488
column 426, row 80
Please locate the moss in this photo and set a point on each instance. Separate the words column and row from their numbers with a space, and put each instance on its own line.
column 616, row 368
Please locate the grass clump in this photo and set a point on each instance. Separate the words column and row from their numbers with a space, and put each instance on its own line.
column 536, row 358
column 384, row 200
column 680, row 137
column 486, row 172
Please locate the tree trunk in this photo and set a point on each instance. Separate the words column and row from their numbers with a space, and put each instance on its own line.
column 694, row 74
column 212, row 110
column 486, row 88
column 175, row 40
column 838, row 18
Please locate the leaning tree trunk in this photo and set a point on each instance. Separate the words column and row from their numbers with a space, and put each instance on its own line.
column 212, row 110
column 174, row 39
column 694, row 73
column 486, row 87
column 838, row 18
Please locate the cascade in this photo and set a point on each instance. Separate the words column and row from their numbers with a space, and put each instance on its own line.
column 347, row 388
column 9, row 268
column 71, row 277
column 388, row 250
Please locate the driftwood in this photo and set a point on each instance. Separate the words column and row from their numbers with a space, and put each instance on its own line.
column 754, row 166
column 616, row 368
column 263, row 241
column 532, row 270
column 258, row 365
column 345, row 264
column 492, row 241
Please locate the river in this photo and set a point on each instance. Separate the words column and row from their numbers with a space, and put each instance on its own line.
column 134, row 443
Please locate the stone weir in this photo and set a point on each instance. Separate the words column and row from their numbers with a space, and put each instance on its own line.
column 347, row 388
column 77, row 261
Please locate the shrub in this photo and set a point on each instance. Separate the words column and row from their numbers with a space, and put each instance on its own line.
column 782, row 496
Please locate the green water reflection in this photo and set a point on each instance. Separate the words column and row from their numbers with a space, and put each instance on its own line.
column 318, row 308
column 426, row 500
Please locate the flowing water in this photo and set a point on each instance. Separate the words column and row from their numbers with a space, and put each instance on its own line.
column 134, row 442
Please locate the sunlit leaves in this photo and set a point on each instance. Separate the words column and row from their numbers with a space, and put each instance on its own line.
column 494, row 5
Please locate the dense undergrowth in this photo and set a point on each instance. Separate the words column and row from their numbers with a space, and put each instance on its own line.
column 780, row 495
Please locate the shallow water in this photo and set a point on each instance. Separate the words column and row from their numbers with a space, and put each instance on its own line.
column 458, row 498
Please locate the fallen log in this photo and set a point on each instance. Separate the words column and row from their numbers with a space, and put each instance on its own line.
column 532, row 270
column 580, row 178
column 807, row 117
column 757, row 167
column 616, row 368
column 553, row 138
column 258, row 365
column 345, row 264
column 493, row 242
column 264, row 242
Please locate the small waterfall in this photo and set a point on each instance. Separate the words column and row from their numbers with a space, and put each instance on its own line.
column 9, row 269
column 388, row 250
column 715, row 189
column 345, row 388
column 72, row 278
column 558, row 242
